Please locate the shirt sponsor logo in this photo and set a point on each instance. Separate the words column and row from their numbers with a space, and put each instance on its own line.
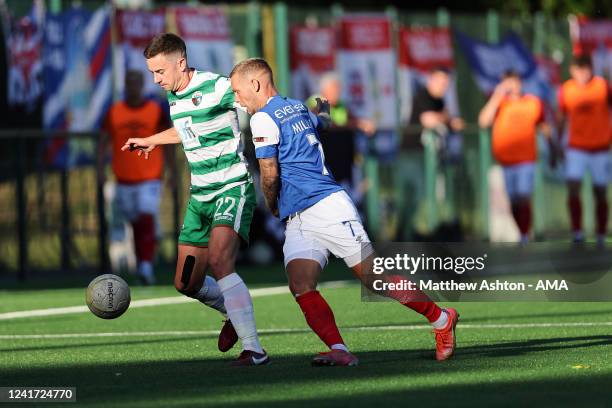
column 288, row 110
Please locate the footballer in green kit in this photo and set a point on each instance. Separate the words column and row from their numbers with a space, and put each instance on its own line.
column 222, row 201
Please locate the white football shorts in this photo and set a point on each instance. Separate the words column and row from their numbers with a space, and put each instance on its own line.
column 331, row 225
column 141, row 198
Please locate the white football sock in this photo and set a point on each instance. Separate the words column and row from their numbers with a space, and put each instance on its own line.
column 239, row 308
column 211, row 295
column 339, row 346
column 442, row 320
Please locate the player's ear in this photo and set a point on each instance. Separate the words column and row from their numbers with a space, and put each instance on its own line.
column 255, row 84
column 182, row 63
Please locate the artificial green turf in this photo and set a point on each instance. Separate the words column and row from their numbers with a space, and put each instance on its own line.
column 545, row 366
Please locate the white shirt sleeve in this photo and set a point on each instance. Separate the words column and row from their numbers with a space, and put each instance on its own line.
column 266, row 135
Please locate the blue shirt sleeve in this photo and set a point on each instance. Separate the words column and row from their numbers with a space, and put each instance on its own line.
column 265, row 152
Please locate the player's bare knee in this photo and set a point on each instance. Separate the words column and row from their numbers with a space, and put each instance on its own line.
column 178, row 285
column 220, row 264
column 298, row 288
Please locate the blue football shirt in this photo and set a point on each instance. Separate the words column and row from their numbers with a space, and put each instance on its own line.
column 287, row 130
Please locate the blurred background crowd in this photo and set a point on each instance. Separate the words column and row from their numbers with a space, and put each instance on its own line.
column 448, row 122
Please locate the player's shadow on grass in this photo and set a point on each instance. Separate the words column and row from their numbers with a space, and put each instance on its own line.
column 516, row 348
column 422, row 357
column 75, row 344
column 503, row 349
column 115, row 382
column 570, row 392
column 497, row 318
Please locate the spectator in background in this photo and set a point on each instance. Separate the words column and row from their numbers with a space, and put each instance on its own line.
column 584, row 104
column 429, row 110
column 515, row 118
column 339, row 142
column 138, row 189
column 330, row 88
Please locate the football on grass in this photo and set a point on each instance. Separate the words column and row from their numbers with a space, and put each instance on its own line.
column 108, row 296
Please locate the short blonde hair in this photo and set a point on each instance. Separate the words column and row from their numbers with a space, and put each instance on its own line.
column 253, row 66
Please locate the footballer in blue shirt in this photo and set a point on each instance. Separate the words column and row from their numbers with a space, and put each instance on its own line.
column 320, row 217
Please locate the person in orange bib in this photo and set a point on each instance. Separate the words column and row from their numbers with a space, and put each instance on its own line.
column 584, row 108
column 516, row 118
column 138, row 190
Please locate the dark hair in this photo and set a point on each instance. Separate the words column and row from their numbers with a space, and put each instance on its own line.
column 511, row 73
column 251, row 66
column 165, row 43
column 439, row 69
column 582, row 61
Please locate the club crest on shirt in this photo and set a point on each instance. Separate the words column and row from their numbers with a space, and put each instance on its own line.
column 196, row 98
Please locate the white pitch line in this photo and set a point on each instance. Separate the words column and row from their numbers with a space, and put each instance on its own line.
column 176, row 333
column 171, row 300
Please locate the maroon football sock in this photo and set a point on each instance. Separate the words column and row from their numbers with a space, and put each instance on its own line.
column 524, row 217
column 575, row 209
column 144, row 237
column 602, row 215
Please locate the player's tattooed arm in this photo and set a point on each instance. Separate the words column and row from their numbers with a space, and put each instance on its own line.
column 270, row 182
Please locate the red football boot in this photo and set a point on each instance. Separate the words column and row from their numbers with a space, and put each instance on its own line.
column 446, row 341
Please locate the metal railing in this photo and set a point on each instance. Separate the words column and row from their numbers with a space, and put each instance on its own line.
column 53, row 211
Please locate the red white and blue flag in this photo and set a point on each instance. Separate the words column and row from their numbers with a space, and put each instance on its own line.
column 78, row 78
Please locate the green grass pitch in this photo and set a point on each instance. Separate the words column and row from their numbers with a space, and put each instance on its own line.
column 509, row 354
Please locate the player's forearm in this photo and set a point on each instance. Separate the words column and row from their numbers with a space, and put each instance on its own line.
column 270, row 182
column 487, row 114
column 270, row 187
column 560, row 124
column 431, row 119
column 168, row 136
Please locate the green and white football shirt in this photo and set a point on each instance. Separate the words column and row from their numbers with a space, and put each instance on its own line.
column 205, row 117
